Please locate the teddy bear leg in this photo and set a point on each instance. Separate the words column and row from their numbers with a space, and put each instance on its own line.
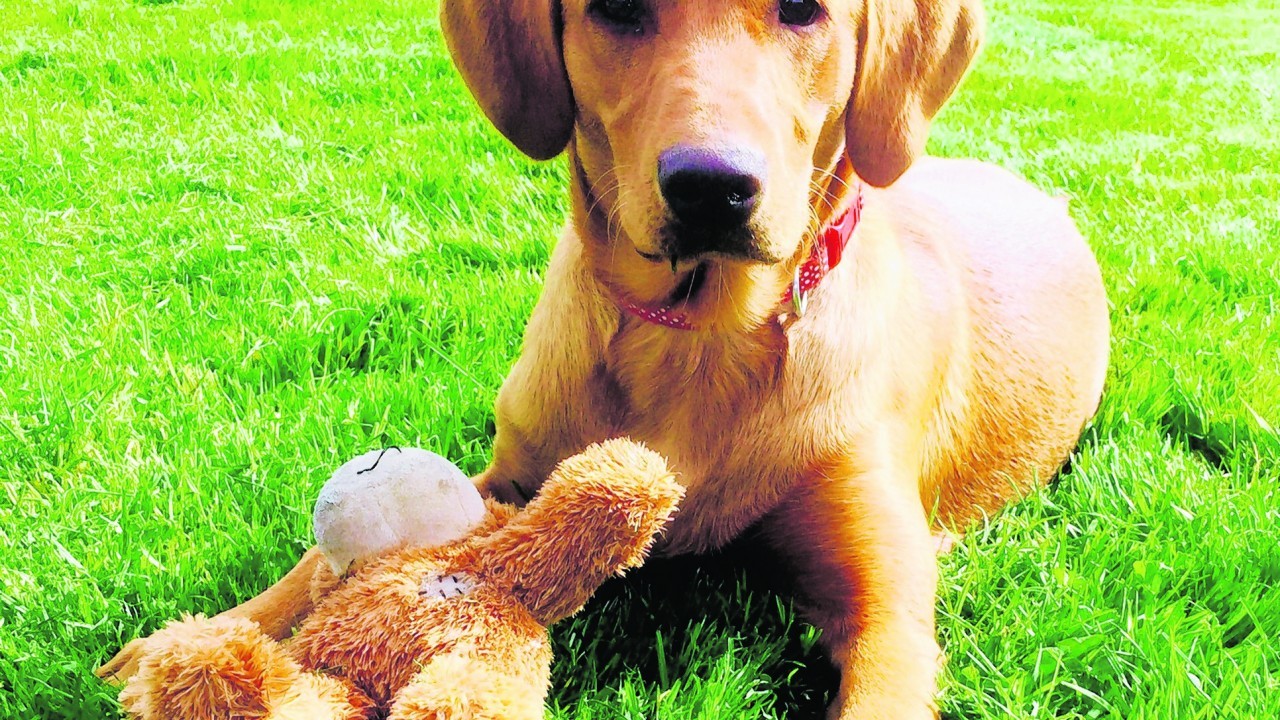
column 319, row 697
column 206, row 668
column 455, row 686
column 276, row 611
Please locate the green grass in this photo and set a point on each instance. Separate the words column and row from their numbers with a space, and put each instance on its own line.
column 243, row 241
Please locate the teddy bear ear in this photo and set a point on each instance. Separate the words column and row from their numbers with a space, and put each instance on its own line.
column 389, row 499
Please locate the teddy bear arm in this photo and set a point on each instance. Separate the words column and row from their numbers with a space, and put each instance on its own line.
column 595, row 517
column 553, row 578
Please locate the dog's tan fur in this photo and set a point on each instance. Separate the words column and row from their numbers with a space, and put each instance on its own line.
column 946, row 367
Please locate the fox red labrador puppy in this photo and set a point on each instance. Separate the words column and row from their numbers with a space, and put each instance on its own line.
column 828, row 336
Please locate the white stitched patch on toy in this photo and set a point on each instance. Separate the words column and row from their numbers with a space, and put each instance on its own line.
column 443, row 587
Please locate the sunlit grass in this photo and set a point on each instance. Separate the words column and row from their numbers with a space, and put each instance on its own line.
column 243, row 241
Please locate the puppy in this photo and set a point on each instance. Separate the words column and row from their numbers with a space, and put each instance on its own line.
column 828, row 336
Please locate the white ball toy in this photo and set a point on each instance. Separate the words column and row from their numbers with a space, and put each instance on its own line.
column 389, row 499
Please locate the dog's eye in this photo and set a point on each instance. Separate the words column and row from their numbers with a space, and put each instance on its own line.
column 626, row 15
column 799, row 12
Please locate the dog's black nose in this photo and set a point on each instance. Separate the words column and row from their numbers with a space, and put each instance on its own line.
column 710, row 189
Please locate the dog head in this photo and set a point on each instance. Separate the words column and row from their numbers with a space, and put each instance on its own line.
column 709, row 132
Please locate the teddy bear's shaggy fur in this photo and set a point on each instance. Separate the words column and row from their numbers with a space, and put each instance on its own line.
column 450, row 632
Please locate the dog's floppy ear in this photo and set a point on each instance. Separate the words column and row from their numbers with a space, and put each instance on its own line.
column 508, row 52
column 913, row 53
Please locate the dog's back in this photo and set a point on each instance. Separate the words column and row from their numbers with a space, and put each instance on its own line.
column 1038, row 340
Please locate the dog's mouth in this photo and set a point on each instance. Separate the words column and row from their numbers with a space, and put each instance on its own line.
column 691, row 274
column 690, row 284
column 678, row 243
column 661, row 258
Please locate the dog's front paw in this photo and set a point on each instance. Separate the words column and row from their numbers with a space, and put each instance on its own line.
column 889, row 674
column 887, row 707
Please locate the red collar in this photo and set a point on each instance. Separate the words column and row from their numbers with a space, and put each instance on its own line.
column 827, row 253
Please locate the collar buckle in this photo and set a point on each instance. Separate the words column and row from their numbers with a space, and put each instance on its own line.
column 799, row 299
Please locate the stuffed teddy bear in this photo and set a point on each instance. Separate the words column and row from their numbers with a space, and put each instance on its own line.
column 434, row 604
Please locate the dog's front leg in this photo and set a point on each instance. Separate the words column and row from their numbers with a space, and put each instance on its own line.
column 857, row 537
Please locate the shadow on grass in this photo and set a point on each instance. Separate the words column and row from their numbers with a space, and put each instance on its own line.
column 1228, row 444
column 674, row 617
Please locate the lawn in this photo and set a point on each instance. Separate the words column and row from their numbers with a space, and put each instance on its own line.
column 245, row 240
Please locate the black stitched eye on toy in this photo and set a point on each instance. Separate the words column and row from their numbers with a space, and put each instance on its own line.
column 622, row 15
column 799, row 12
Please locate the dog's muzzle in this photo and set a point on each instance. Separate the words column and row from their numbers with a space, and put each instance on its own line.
column 711, row 195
